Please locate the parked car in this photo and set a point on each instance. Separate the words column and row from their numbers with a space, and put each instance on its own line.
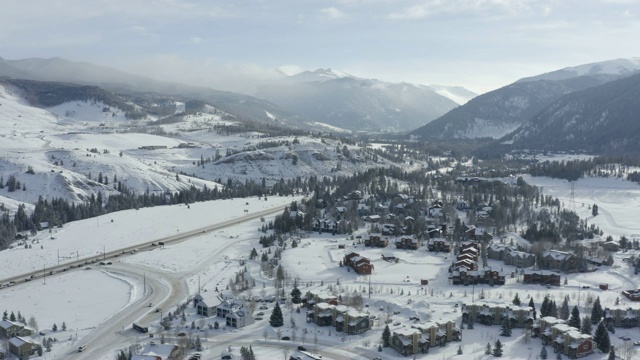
column 286, row 338
column 302, row 348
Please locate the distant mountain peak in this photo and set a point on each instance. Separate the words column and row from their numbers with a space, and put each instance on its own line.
column 320, row 75
column 614, row 67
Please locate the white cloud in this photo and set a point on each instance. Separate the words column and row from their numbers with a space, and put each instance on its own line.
column 437, row 7
column 195, row 40
column 332, row 13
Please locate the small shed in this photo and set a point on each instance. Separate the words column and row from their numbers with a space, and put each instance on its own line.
column 604, row 286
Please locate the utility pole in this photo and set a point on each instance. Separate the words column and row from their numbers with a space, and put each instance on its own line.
column 369, row 286
column 104, row 256
column 44, row 275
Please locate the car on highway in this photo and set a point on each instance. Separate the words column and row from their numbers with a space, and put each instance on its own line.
column 82, row 348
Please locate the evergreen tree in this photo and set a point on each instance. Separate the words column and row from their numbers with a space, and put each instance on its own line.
column 54, row 327
column 276, row 319
column 612, row 354
column 497, row 349
column 559, row 356
column 533, row 307
column 12, row 317
column 295, row 295
column 596, row 311
column 487, row 351
column 564, row 309
column 587, row 326
column 594, row 210
column 574, row 319
column 543, row 353
column 516, row 300
column 251, row 354
column 459, row 349
column 505, row 330
column 386, row 336
column 5, row 316
column 553, row 310
column 545, row 308
column 64, row 326
column 601, row 338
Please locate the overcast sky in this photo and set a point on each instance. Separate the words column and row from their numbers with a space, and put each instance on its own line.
column 479, row 44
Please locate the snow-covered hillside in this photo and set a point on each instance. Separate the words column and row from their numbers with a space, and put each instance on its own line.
column 615, row 67
column 78, row 148
column 91, row 111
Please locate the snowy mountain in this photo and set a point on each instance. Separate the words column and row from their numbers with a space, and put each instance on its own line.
column 599, row 120
column 61, row 70
column 610, row 67
column 339, row 99
column 497, row 113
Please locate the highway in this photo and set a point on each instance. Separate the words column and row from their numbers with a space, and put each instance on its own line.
column 111, row 255
column 165, row 290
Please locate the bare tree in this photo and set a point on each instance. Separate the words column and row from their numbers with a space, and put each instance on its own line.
column 33, row 323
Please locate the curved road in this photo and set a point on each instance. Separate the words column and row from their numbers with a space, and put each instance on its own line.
column 164, row 290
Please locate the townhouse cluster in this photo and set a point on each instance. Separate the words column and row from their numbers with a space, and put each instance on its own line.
column 420, row 337
column 465, row 270
column 323, row 309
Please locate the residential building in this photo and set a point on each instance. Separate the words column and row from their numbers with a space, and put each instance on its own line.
column 542, row 327
column 409, row 341
column 317, row 296
column 407, row 243
column 570, row 341
column 9, row 329
column 622, row 316
column 559, row 260
column 438, row 333
column 438, row 244
column 343, row 318
column 207, row 303
column 543, row 277
column 633, row 295
column 360, row 264
column 464, row 276
column 235, row 312
column 376, row 241
column 23, row 347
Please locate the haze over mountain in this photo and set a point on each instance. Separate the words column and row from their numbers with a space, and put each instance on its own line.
column 62, row 70
column 354, row 103
column 497, row 113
